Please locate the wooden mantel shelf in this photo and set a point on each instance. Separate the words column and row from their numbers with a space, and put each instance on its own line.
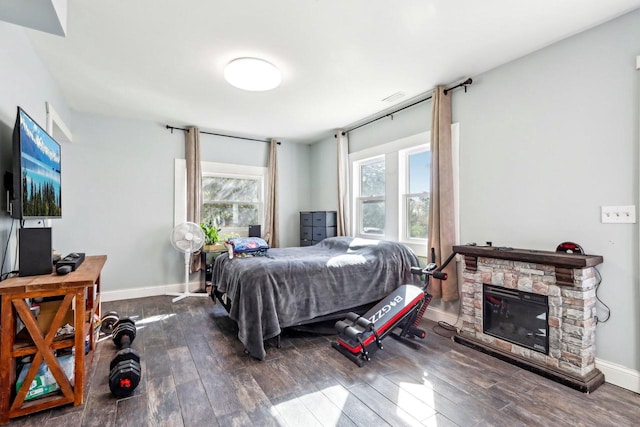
column 557, row 259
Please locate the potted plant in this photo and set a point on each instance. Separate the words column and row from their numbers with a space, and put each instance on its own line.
column 211, row 233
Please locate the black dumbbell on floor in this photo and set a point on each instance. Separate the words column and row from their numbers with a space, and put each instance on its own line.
column 125, row 370
column 108, row 322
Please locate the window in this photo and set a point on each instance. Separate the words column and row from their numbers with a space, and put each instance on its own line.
column 415, row 186
column 385, row 204
column 371, row 196
column 232, row 195
column 391, row 186
column 231, row 201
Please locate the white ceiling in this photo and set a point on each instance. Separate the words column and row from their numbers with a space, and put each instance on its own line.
column 163, row 60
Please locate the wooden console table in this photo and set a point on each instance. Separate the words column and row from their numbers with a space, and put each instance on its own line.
column 33, row 341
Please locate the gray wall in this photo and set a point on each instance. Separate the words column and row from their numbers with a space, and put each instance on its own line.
column 118, row 196
column 544, row 142
column 324, row 176
column 294, row 190
column 411, row 121
column 547, row 140
column 23, row 82
column 117, row 182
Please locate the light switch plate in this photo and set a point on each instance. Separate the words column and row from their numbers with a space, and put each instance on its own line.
column 618, row 214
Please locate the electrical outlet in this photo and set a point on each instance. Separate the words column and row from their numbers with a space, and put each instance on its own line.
column 618, row 214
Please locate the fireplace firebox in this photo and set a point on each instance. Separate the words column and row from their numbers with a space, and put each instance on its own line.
column 516, row 316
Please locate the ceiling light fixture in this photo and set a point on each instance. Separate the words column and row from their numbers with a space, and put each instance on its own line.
column 252, row 74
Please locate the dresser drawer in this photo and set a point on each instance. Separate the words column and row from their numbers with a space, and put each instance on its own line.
column 306, row 219
column 331, row 231
column 306, row 243
column 319, row 219
column 306, row 233
column 324, row 219
column 319, row 233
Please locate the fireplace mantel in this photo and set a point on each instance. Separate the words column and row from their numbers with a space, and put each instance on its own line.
column 556, row 259
column 568, row 281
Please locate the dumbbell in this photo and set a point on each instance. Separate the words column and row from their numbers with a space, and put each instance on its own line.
column 108, row 322
column 125, row 371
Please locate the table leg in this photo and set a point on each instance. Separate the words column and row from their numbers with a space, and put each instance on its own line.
column 7, row 363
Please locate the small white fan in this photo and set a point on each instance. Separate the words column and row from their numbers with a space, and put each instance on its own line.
column 187, row 238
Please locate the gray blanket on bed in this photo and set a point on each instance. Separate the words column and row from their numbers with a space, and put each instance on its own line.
column 289, row 286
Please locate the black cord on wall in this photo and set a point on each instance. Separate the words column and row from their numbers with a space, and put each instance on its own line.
column 6, row 249
column 599, row 300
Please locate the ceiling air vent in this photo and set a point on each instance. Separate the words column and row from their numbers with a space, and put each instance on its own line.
column 394, row 97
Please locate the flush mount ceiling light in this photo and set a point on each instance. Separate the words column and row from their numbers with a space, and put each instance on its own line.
column 252, row 74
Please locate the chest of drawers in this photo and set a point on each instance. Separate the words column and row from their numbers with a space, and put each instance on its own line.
column 316, row 226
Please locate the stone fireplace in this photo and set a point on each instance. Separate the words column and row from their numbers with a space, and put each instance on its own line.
column 567, row 282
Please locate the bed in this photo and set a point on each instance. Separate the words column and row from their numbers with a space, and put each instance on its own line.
column 293, row 286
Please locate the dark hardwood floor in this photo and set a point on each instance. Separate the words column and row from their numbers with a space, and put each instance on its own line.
column 195, row 373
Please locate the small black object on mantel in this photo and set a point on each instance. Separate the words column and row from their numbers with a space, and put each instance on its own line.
column 570, row 248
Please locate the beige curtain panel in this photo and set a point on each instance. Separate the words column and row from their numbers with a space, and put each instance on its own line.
column 343, row 184
column 194, row 186
column 442, row 232
column 271, row 205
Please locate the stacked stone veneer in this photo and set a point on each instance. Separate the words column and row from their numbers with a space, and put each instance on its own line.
column 572, row 310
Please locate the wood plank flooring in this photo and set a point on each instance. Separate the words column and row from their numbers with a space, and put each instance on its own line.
column 195, row 373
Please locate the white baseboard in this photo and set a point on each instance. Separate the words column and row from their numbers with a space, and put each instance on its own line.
column 613, row 374
column 619, row 375
column 151, row 291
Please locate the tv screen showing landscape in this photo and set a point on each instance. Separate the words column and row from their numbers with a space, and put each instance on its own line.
column 39, row 170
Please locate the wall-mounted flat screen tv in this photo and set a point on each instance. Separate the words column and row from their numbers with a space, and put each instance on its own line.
column 36, row 171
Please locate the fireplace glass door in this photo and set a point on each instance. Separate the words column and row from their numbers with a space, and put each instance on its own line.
column 516, row 316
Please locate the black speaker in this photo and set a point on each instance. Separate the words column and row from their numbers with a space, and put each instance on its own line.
column 34, row 251
column 254, row 231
